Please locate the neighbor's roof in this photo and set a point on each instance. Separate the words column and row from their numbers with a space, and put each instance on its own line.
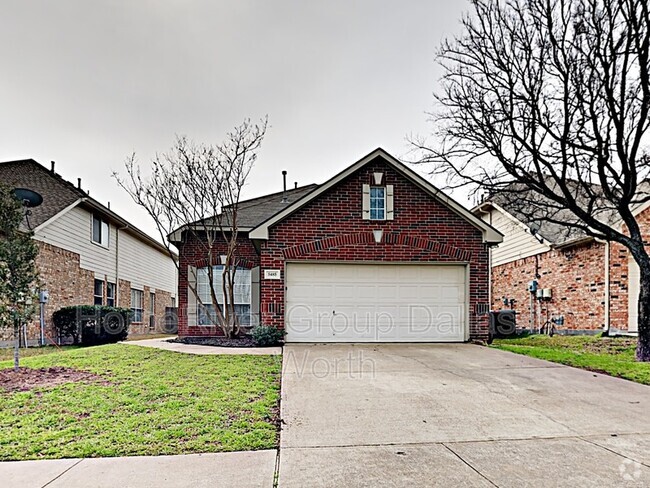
column 532, row 210
column 490, row 234
column 59, row 195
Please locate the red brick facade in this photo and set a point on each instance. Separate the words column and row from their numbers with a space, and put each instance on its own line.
column 576, row 277
column 193, row 253
column 331, row 228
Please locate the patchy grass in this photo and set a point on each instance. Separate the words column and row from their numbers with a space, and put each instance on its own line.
column 613, row 356
column 153, row 402
column 7, row 353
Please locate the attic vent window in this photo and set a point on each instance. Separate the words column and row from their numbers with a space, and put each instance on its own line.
column 100, row 231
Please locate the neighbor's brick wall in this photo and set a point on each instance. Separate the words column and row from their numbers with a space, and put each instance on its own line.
column 331, row 228
column 67, row 283
column 576, row 277
column 193, row 252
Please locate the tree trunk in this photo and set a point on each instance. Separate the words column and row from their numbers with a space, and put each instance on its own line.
column 16, row 345
column 643, row 347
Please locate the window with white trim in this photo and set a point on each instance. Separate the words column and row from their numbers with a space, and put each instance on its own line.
column 377, row 203
column 241, row 292
column 137, row 299
column 100, row 233
column 110, row 294
column 99, row 292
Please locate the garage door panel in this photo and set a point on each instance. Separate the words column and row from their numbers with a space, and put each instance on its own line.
column 375, row 303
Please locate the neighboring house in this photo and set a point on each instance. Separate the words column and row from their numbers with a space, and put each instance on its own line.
column 593, row 285
column 375, row 254
column 90, row 255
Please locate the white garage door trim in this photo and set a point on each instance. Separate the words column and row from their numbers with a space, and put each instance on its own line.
column 416, row 301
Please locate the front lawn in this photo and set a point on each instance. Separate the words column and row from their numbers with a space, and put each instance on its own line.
column 7, row 353
column 148, row 402
column 613, row 356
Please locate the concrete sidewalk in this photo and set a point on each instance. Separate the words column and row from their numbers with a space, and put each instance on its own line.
column 220, row 470
column 162, row 343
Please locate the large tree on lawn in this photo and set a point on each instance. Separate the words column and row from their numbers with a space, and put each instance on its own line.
column 18, row 272
column 546, row 103
column 195, row 188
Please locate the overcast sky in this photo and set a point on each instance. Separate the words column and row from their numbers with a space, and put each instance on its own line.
column 86, row 83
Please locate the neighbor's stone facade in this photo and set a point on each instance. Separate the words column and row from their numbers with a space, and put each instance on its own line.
column 331, row 228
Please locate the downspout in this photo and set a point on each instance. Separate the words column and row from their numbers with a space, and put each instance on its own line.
column 117, row 263
column 606, row 327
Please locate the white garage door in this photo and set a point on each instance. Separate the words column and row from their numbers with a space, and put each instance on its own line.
column 375, row 302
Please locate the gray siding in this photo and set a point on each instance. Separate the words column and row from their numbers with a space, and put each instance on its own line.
column 517, row 242
column 139, row 263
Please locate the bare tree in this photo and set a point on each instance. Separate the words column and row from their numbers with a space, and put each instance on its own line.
column 546, row 104
column 195, row 189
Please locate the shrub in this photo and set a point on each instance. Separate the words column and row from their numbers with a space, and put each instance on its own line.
column 92, row 325
column 267, row 335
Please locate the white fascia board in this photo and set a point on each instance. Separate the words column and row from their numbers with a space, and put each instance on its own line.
column 58, row 215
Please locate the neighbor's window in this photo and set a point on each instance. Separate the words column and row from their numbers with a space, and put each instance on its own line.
column 152, row 310
column 137, row 298
column 377, row 203
column 110, row 294
column 242, row 294
column 99, row 292
column 100, row 231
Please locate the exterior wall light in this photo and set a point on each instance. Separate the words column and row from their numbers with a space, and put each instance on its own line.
column 377, row 234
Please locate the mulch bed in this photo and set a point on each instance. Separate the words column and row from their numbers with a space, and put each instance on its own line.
column 217, row 341
column 28, row 378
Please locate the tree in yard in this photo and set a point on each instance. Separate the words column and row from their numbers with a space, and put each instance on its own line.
column 18, row 272
column 546, row 104
column 196, row 188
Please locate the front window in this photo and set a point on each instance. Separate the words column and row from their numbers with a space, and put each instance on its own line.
column 152, row 310
column 377, row 203
column 110, row 294
column 241, row 292
column 100, row 231
column 136, row 304
column 99, row 292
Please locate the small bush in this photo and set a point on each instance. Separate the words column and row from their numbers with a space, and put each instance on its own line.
column 267, row 335
column 92, row 325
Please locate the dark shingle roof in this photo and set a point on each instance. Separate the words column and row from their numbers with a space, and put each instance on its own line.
column 57, row 193
column 251, row 213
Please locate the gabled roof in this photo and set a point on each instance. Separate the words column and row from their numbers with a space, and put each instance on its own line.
column 59, row 196
column 490, row 234
column 250, row 213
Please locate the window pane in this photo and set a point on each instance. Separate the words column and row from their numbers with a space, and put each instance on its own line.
column 99, row 292
column 104, row 233
column 110, row 294
column 97, row 230
column 136, row 304
column 377, row 203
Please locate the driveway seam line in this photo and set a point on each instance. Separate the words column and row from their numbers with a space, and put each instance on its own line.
column 615, row 452
column 62, row 473
column 470, row 441
column 469, row 465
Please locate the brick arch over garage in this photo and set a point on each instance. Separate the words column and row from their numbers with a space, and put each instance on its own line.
column 390, row 238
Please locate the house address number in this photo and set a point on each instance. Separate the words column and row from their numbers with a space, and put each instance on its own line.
column 271, row 274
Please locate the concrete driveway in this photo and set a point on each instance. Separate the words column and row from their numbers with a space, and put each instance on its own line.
column 456, row 415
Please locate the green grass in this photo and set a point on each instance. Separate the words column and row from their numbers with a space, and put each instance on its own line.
column 7, row 353
column 156, row 402
column 613, row 356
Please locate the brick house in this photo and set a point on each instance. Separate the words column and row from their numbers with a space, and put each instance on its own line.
column 375, row 254
column 90, row 255
column 591, row 286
